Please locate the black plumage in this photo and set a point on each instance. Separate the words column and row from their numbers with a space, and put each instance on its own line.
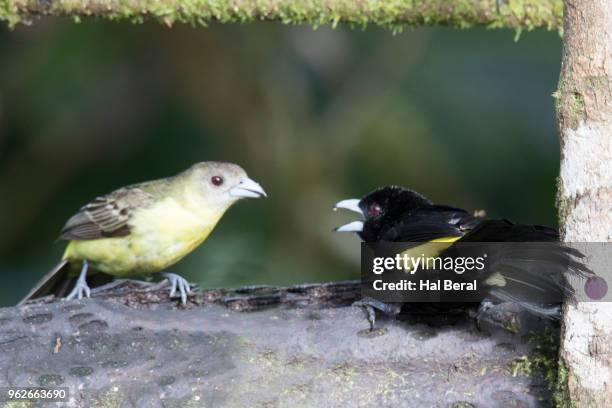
column 399, row 214
column 528, row 269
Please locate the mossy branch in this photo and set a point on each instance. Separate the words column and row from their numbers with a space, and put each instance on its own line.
column 304, row 346
column 394, row 14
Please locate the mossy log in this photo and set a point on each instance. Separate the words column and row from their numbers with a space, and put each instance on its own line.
column 516, row 14
column 131, row 346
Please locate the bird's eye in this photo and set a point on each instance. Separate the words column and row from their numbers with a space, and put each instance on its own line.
column 216, row 180
column 375, row 210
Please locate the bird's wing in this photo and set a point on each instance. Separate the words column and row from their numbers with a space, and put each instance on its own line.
column 457, row 217
column 506, row 231
column 424, row 225
column 106, row 216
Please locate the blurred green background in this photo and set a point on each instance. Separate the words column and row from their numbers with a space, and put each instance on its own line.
column 464, row 116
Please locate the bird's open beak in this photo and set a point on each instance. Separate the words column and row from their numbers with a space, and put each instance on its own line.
column 355, row 226
column 247, row 188
column 351, row 205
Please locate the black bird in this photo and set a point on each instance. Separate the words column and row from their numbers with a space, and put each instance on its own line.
column 520, row 274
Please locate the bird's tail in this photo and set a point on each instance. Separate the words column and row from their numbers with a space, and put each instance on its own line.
column 527, row 265
column 55, row 281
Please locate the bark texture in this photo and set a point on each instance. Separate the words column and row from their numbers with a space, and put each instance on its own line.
column 301, row 346
column 584, row 107
column 518, row 14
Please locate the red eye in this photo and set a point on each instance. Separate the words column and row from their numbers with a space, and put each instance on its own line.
column 216, row 180
column 375, row 210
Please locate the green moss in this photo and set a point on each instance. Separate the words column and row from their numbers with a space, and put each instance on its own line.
column 18, row 404
column 108, row 399
column 569, row 100
column 392, row 14
column 51, row 380
column 597, row 82
column 546, row 354
column 544, row 359
column 561, row 395
column 563, row 203
column 9, row 13
column 557, row 98
column 521, row 366
column 577, row 112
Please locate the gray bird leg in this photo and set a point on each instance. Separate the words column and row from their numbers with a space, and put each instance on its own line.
column 370, row 306
column 180, row 283
column 80, row 288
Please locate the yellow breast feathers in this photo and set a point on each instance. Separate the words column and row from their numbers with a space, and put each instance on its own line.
column 160, row 235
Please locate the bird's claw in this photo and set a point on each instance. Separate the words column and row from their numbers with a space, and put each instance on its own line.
column 370, row 306
column 483, row 310
column 80, row 288
column 369, row 311
column 180, row 283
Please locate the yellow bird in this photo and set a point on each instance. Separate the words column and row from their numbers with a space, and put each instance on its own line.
column 147, row 227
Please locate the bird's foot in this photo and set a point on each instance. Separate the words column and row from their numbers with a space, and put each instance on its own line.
column 80, row 288
column 180, row 283
column 370, row 306
column 506, row 316
column 483, row 311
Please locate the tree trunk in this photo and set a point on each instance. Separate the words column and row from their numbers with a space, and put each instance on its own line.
column 585, row 189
